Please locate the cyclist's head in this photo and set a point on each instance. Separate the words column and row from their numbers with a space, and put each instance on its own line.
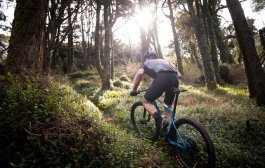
column 149, row 55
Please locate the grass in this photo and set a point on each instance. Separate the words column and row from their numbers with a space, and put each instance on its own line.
column 223, row 113
column 76, row 124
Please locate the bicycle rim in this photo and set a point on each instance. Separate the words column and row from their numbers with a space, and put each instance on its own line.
column 143, row 122
column 200, row 150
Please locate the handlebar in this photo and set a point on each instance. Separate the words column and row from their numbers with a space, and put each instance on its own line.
column 139, row 91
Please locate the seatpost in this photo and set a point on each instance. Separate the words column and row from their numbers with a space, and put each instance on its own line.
column 176, row 101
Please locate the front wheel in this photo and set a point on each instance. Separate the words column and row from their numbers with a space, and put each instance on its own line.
column 143, row 122
column 199, row 150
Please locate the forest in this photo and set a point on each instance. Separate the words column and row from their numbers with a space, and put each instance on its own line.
column 67, row 68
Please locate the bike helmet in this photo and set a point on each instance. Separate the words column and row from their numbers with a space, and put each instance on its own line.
column 149, row 54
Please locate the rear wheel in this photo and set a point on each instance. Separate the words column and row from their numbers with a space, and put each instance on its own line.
column 143, row 122
column 200, row 149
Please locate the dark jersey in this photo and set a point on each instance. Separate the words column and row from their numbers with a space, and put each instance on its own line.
column 154, row 66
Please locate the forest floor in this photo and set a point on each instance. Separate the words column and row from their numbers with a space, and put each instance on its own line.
column 73, row 123
column 223, row 113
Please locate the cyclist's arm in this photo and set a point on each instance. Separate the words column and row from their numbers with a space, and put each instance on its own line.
column 137, row 78
column 179, row 74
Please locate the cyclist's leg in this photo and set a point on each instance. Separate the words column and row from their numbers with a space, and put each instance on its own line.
column 170, row 94
column 156, row 89
column 148, row 105
column 169, row 97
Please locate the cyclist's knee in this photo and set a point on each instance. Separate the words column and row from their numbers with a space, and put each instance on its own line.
column 147, row 102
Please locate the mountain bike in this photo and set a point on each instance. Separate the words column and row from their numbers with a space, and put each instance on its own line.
column 191, row 143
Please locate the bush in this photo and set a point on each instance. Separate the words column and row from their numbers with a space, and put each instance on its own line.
column 232, row 74
column 118, row 83
column 47, row 126
column 225, row 74
column 124, row 78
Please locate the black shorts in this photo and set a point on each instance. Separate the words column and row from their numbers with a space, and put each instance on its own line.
column 163, row 82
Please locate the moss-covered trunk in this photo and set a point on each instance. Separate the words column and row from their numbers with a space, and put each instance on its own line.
column 213, row 49
column 225, row 56
column 106, row 76
column 203, row 47
column 70, row 42
column 175, row 36
column 254, row 72
column 27, row 37
column 97, row 40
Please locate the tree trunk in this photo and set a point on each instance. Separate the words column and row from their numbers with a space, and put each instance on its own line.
column 254, row 72
column 70, row 42
column 157, row 43
column 225, row 56
column 195, row 55
column 202, row 43
column 27, row 37
column 175, row 36
column 262, row 37
column 106, row 77
column 213, row 51
column 84, row 45
column 97, row 39
column 145, row 41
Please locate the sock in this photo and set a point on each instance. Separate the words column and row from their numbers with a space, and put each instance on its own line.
column 158, row 118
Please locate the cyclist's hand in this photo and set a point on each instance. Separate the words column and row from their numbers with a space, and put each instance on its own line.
column 133, row 93
column 179, row 75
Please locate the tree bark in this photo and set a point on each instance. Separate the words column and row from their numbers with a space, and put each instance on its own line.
column 203, row 47
column 213, row 49
column 84, row 45
column 254, row 72
column 97, row 39
column 27, row 37
column 175, row 36
column 70, row 42
column 225, row 56
column 145, row 40
column 106, row 76
column 195, row 55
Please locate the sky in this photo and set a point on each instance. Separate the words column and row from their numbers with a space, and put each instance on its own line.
column 131, row 29
column 165, row 34
column 259, row 17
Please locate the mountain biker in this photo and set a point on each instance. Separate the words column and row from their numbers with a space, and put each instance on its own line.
column 165, row 77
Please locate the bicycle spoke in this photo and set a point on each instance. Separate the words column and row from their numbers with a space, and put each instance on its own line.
column 199, row 150
column 143, row 123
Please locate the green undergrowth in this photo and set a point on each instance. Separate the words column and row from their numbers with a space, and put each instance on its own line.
column 223, row 112
column 54, row 126
column 76, row 124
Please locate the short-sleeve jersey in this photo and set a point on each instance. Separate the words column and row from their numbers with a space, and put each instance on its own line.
column 153, row 66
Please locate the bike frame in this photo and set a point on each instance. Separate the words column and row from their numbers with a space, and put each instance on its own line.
column 183, row 145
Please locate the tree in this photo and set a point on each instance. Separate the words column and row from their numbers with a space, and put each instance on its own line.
column 113, row 9
column 208, row 10
column 175, row 35
column 27, row 37
column 258, row 5
column 145, row 37
column 254, row 72
column 70, row 41
column 202, row 43
column 58, row 29
column 155, row 33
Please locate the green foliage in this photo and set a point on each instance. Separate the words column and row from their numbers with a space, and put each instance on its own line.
column 124, row 78
column 118, row 83
column 47, row 126
column 122, row 83
column 223, row 113
column 57, row 127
